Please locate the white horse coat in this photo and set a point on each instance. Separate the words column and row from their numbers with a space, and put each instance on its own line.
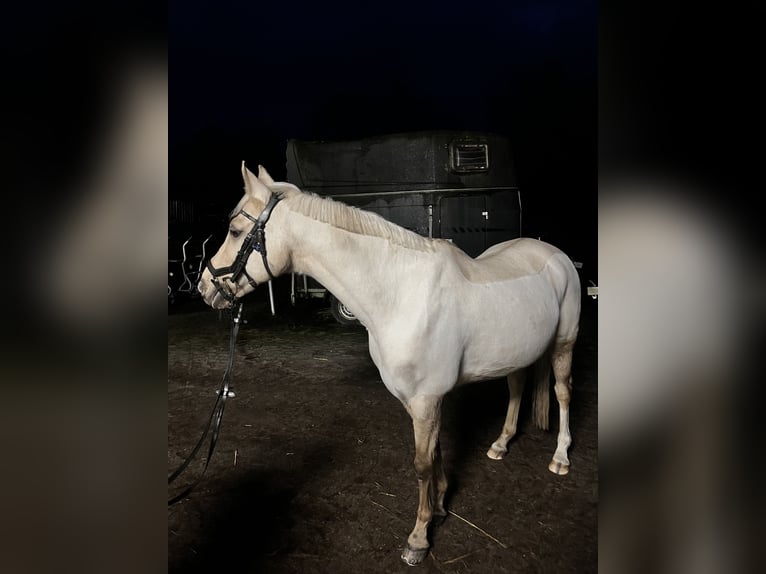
column 435, row 317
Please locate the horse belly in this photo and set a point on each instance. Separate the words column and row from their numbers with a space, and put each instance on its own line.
column 508, row 331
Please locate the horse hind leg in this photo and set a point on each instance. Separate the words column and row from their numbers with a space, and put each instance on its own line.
column 516, row 388
column 440, row 482
column 561, row 361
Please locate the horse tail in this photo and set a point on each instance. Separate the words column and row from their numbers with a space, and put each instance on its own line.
column 542, row 392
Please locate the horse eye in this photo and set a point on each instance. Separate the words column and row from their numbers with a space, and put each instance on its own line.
column 235, row 233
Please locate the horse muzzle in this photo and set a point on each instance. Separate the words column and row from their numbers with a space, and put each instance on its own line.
column 218, row 292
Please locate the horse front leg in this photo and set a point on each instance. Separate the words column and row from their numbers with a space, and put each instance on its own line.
column 426, row 419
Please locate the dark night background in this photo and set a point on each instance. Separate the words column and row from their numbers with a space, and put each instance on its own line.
column 248, row 76
column 679, row 92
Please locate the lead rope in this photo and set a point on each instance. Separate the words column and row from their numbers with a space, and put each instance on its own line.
column 216, row 416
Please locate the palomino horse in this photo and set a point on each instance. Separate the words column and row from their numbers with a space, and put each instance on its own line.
column 436, row 318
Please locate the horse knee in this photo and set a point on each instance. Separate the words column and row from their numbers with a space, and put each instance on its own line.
column 423, row 467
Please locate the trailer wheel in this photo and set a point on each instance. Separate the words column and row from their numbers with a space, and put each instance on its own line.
column 341, row 313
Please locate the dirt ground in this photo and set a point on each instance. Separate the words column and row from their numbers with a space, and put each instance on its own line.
column 313, row 470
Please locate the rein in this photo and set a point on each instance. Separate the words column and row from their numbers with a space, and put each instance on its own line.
column 216, row 416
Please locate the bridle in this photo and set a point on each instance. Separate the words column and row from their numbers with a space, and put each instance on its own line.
column 254, row 241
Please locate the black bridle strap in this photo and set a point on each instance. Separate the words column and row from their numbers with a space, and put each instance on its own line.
column 260, row 231
column 216, row 416
column 254, row 241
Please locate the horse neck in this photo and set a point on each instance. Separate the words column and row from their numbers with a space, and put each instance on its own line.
column 355, row 268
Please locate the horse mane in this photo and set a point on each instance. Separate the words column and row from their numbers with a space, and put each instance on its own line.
column 351, row 219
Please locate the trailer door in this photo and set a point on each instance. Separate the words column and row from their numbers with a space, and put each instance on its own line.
column 462, row 219
column 476, row 222
column 503, row 219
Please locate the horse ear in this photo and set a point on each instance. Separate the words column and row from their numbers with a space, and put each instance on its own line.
column 264, row 176
column 254, row 187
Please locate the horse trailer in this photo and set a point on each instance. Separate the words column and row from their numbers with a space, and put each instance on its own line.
column 454, row 185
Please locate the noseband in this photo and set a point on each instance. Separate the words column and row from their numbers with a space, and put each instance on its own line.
column 254, row 241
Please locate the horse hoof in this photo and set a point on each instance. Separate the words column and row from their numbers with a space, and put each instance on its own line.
column 496, row 453
column 560, row 468
column 438, row 519
column 413, row 556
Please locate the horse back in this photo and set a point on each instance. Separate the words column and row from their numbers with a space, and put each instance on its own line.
column 521, row 261
column 511, row 260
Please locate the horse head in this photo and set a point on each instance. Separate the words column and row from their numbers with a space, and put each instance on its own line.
column 246, row 259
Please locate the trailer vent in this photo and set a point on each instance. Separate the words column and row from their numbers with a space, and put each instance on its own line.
column 469, row 157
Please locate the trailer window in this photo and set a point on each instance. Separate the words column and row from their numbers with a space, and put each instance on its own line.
column 469, row 157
